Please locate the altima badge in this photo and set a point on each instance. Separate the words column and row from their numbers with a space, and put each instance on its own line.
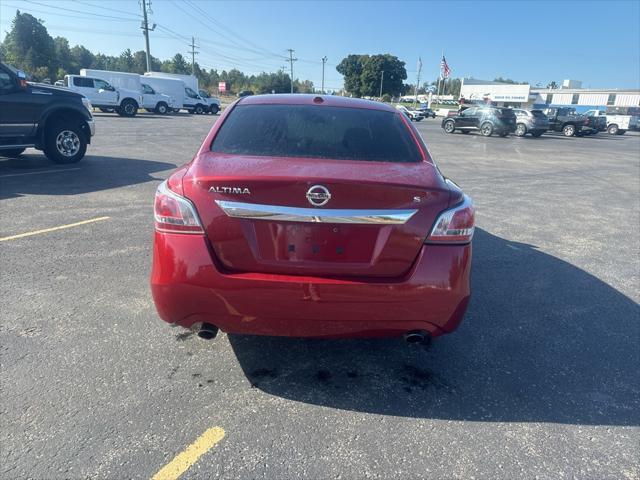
column 318, row 195
column 236, row 190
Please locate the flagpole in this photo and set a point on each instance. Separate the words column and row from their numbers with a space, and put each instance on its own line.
column 440, row 76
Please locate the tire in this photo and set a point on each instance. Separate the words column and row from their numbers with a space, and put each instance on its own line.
column 612, row 129
column 537, row 134
column 128, row 108
column 65, row 142
column 486, row 129
column 11, row 152
column 449, row 126
column 569, row 130
column 521, row 130
column 162, row 108
column 214, row 109
column 199, row 109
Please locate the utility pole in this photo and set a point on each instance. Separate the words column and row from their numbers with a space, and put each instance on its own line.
column 415, row 96
column 193, row 55
column 291, row 60
column 324, row 60
column 146, row 7
column 381, row 81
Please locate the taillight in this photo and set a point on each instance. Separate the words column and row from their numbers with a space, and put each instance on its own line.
column 454, row 225
column 174, row 213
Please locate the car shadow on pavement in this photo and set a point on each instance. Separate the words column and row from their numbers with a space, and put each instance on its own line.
column 34, row 174
column 543, row 341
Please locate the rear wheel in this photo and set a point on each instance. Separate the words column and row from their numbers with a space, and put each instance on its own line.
column 162, row 108
column 521, row 130
column 65, row 143
column 569, row 130
column 486, row 129
column 128, row 108
column 612, row 129
column 214, row 109
column 449, row 126
column 11, row 152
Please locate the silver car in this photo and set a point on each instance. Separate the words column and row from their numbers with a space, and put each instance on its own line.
column 534, row 122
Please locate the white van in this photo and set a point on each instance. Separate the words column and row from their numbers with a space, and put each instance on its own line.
column 105, row 96
column 152, row 101
column 187, row 98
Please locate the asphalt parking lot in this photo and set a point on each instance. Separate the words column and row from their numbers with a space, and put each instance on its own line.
column 540, row 381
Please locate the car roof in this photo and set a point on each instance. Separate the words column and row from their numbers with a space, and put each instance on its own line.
column 308, row 99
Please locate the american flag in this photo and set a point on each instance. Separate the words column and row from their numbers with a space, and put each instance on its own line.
column 445, row 71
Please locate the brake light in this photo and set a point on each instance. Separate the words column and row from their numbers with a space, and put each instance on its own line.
column 174, row 213
column 455, row 225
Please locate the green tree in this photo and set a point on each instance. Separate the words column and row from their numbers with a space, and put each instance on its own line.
column 372, row 76
column 81, row 58
column 552, row 85
column 126, row 61
column 180, row 65
column 63, row 56
column 351, row 68
column 29, row 46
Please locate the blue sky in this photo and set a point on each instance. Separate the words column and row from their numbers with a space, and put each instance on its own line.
column 597, row 42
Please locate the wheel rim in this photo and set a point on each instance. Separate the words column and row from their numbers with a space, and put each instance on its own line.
column 569, row 130
column 486, row 129
column 520, row 130
column 162, row 109
column 128, row 108
column 68, row 143
column 448, row 127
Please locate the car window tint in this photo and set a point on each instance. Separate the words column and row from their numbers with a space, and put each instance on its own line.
column 83, row 82
column 316, row 131
column 101, row 83
column 6, row 84
column 147, row 89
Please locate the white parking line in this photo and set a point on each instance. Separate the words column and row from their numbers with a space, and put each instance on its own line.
column 41, row 171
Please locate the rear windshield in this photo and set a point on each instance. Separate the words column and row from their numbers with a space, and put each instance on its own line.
column 316, row 131
column 538, row 113
column 507, row 112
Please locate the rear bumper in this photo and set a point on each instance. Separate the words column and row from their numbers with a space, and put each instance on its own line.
column 189, row 286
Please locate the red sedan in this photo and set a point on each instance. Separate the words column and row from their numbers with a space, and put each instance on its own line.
column 312, row 216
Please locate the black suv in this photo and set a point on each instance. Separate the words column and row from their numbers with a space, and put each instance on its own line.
column 48, row 118
column 487, row 119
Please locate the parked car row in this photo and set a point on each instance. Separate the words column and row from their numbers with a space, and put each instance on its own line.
column 416, row 115
column 488, row 119
column 127, row 93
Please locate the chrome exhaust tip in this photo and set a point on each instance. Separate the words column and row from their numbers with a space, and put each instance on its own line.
column 205, row 331
column 419, row 337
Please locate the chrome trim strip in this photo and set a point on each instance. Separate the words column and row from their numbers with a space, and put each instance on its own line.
column 314, row 215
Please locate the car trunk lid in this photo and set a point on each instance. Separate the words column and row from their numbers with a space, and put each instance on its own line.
column 258, row 218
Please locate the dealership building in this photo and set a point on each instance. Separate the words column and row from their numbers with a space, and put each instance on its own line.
column 570, row 94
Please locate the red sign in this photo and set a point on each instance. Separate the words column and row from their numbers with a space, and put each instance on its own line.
column 222, row 86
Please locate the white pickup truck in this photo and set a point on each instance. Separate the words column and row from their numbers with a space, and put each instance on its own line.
column 616, row 124
column 104, row 96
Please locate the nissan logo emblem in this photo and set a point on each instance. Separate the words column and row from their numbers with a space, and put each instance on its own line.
column 318, row 195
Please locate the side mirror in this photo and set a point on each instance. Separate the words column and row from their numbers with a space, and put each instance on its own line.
column 22, row 78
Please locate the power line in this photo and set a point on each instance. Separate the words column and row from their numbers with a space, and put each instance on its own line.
column 93, row 14
column 66, row 15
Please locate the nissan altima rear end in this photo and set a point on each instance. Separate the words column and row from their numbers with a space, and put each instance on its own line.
column 312, row 216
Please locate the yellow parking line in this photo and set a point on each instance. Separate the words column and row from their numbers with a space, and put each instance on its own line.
column 184, row 460
column 53, row 229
